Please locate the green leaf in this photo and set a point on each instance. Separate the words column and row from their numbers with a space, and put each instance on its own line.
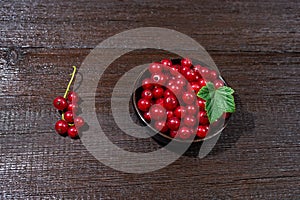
column 207, row 91
column 218, row 100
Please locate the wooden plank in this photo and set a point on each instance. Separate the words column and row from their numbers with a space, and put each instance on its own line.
column 217, row 25
column 251, row 160
column 254, row 44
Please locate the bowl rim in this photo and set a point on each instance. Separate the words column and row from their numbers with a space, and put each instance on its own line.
column 134, row 98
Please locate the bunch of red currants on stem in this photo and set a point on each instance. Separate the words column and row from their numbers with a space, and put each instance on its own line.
column 168, row 99
column 68, row 107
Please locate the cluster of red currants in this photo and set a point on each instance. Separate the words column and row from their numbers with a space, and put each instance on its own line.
column 169, row 99
column 68, row 107
column 69, row 123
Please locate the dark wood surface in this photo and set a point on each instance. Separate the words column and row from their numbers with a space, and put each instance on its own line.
column 256, row 46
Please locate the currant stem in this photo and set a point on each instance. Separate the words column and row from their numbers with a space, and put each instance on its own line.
column 67, row 91
column 63, row 118
column 70, row 82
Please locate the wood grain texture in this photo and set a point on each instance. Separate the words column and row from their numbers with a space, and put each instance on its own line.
column 256, row 45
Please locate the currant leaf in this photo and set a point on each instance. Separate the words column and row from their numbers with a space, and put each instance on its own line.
column 218, row 101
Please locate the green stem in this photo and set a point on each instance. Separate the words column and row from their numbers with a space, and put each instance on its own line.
column 70, row 82
column 63, row 118
column 67, row 91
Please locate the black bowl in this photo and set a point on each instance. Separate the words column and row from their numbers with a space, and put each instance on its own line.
column 164, row 138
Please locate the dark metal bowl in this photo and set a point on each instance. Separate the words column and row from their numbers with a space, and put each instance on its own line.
column 161, row 137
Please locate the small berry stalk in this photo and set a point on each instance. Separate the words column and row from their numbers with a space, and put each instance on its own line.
column 68, row 106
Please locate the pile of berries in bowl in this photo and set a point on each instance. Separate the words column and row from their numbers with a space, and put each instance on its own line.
column 167, row 100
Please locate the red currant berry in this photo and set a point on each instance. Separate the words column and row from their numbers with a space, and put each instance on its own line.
column 155, row 68
column 204, row 72
column 72, row 132
column 147, row 117
column 202, row 131
column 189, row 121
column 170, row 102
column 161, row 126
column 166, row 62
column 196, row 86
column 193, row 130
column 60, row 103
column 226, row 115
column 170, row 114
column 158, row 92
column 203, row 119
column 73, row 97
column 189, row 89
column 201, row 104
column 147, row 94
column 188, row 98
column 180, row 112
column 159, row 79
column 72, row 107
column 61, row 127
column 202, row 82
column 191, row 110
column 190, row 75
column 173, row 123
column 184, row 133
column 160, row 102
column 197, row 68
column 175, row 69
column 197, row 76
column 168, row 92
column 176, row 89
column 157, row 112
column 144, row 105
column 170, row 83
column 186, row 62
column 79, row 122
column 180, row 76
column 217, row 124
column 173, row 134
column 213, row 75
column 69, row 117
column 181, row 82
column 147, row 84
column 184, row 70
column 218, row 84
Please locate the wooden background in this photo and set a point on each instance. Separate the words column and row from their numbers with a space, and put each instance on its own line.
column 255, row 44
